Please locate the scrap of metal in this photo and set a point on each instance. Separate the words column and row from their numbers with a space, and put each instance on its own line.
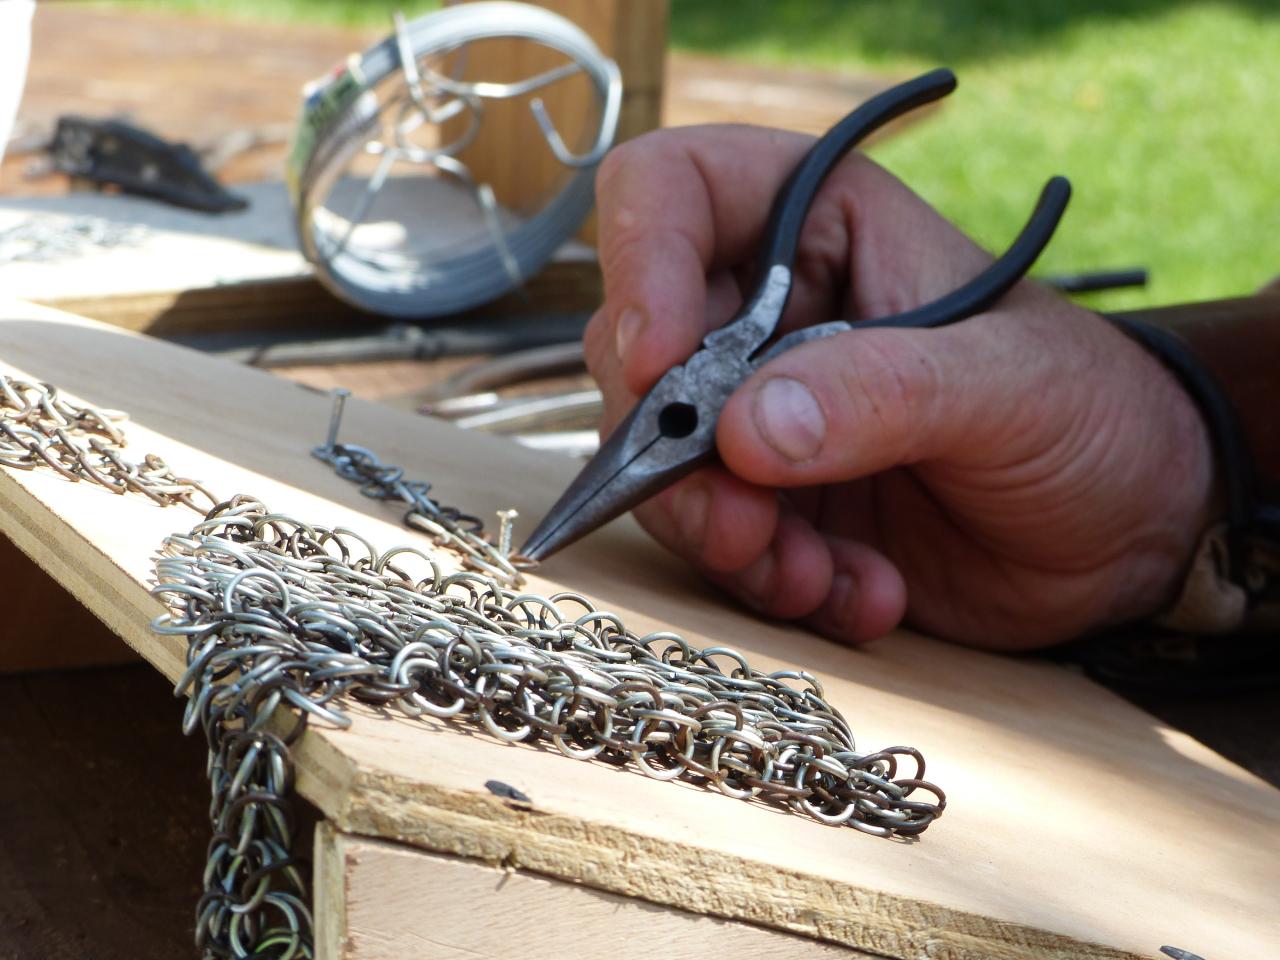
column 367, row 343
column 550, row 360
column 215, row 152
column 562, row 420
column 47, row 238
column 118, row 154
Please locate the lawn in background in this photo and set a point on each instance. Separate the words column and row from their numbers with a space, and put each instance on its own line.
column 1163, row 115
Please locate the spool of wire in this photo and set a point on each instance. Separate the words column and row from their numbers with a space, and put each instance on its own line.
column 387, row 212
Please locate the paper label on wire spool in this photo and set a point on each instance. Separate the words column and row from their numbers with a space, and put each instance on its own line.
column 324, row 101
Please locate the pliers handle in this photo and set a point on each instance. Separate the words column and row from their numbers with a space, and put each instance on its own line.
column 753, row 328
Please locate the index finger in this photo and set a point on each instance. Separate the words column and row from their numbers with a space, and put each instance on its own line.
column 675, row 205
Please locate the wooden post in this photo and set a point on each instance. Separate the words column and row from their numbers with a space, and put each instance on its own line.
column 509, row 153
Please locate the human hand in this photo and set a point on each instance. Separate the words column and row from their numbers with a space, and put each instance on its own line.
column 1010, row 481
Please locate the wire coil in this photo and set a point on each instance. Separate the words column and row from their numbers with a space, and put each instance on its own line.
column 393, row 88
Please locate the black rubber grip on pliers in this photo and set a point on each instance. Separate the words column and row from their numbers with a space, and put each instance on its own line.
column 791, row 205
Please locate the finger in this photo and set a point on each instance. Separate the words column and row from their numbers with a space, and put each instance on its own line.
column 677, row 204
column 603, row 362
column 605, row 368
column 791, row 578
column 716, row 521
column 868, row 596
column 864, row 401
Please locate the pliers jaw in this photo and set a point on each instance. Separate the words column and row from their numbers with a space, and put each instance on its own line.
column 668, row 434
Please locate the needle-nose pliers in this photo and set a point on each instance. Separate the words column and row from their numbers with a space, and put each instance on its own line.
column 672, row 430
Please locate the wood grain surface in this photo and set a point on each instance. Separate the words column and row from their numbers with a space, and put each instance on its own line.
column 1077, row 825
column 49, row 629
column 384, row 901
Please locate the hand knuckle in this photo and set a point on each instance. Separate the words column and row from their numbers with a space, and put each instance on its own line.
column 637, row 153
column 619, row 251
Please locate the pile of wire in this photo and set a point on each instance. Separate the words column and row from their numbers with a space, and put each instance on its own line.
column 403, row 104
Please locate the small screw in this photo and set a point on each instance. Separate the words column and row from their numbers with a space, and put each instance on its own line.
column 506, row 523
column 339, row 395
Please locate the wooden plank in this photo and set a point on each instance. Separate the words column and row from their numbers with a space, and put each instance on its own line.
column 157, row 247
column 188, row 272
column 707, row 89
column 384, row 901
column 1078, row 826
column 304, row 305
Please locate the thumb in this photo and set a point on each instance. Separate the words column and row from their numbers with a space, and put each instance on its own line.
column 862, row 402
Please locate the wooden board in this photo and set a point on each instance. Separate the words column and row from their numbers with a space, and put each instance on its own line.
column 169, row 248
column 707, row 89
column 1078, row 826
column 49, row 629
column 384, row 901
column 187, row 272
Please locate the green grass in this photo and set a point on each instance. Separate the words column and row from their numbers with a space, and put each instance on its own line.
column 1159, row 112
column 1162, row 113
column 353, row 13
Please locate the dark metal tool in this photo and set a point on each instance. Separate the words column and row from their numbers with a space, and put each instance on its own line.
column 1098, row 280
column 112, row 152
column 366, row 343
column 672, row 430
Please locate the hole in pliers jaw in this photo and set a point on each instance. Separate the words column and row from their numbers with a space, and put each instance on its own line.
column 677, row 420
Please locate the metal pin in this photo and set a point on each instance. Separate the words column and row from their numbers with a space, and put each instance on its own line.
column 339, row 395
column 506, row 523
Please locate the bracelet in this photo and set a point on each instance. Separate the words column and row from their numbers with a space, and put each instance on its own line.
column 1247, row 519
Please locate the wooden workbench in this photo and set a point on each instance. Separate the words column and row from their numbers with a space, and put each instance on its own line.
column 1072, row 817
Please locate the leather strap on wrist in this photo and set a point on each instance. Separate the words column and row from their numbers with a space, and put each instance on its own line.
column 1227, row 356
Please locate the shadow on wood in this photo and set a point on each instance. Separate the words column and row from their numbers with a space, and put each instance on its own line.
column 103, row 817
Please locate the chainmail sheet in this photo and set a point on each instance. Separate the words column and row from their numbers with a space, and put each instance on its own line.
column 279, row 613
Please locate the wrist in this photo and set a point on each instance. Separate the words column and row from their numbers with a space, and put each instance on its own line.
column 1223, row 356
column 1184, row 495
